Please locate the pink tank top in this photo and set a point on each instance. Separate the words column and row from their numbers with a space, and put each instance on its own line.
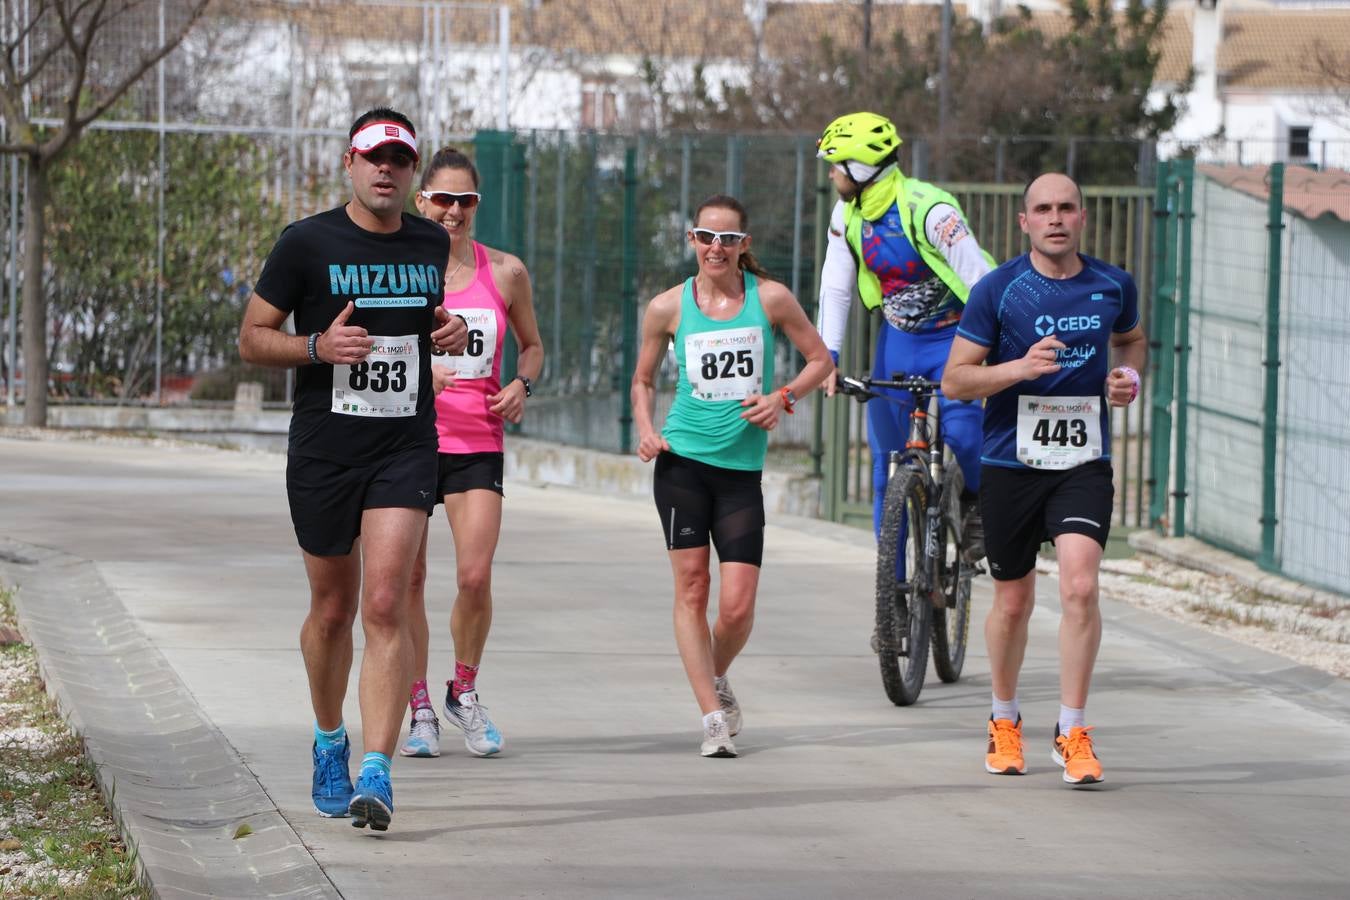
column 463, row 420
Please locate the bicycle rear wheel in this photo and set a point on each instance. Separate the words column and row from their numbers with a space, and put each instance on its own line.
column 951, row 622
column 904, row 610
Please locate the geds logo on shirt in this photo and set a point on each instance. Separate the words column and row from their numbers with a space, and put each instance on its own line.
column 1046, row 325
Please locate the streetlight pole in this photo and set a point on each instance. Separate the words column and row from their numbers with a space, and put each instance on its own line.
column 944, row 87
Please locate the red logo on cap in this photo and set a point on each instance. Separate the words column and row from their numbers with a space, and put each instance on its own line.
column 391, row 131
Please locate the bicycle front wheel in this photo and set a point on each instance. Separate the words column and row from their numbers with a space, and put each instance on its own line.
column 951, row 621
column 904, row 609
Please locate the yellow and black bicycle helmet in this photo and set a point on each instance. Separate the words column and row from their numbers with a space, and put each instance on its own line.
column 863, row 136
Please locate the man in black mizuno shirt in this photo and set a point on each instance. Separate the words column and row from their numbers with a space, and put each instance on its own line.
column 363, row 282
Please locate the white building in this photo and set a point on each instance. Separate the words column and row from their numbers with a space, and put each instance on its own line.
column 1260, row 93
column 620, row 65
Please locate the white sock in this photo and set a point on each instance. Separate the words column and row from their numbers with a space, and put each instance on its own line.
column 1069, row 718
column 708, row 719
column 1006, row 709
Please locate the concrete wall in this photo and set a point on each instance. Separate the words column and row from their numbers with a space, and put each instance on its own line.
column 530, row 460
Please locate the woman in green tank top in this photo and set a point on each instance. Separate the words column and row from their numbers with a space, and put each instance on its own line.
column 711, row 451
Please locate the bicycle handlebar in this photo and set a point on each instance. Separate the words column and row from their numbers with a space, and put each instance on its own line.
column 861, row 389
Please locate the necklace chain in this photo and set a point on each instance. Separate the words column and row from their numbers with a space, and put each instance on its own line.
column 456, row 269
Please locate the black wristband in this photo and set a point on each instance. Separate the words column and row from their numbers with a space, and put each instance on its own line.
column 313, row 347
column 529, row 386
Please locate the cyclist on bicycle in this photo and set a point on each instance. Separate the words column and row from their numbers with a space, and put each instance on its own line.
column 905, row 246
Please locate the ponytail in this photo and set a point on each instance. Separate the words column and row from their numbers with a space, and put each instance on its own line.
column 748, row 263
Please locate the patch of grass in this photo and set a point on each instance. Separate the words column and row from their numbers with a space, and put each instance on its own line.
column 1212, row 615
column 56, row 835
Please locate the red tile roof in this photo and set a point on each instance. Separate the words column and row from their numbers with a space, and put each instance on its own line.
column 1308, row 192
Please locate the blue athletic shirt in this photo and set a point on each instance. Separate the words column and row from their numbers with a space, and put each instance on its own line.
column 902, row 272
column 1014, row 306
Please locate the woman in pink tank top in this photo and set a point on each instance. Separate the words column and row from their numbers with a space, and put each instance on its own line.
column 491, row 290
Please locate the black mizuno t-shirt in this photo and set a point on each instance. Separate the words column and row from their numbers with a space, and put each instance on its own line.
column 359, row 413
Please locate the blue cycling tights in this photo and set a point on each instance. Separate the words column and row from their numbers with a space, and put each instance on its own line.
column 888, row 423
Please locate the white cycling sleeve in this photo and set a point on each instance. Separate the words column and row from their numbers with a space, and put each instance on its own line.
column 949, row 234
column 838, row 279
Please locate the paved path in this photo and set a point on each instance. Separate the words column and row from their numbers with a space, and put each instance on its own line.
column 195, row 699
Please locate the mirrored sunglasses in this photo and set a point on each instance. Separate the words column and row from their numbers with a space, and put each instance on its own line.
column 446, row 199
column 706, row 236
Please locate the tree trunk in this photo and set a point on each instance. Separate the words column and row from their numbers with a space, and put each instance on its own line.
column 35, row 363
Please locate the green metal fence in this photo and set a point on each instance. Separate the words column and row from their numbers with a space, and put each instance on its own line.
column 1250, row 422
column 599, row 221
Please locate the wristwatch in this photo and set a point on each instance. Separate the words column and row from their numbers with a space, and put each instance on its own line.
column 529, row 386
column 789, row 400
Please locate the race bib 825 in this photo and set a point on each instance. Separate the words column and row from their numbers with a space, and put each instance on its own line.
column 726, row 364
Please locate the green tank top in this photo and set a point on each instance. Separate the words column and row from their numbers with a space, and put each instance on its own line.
column 720, row 364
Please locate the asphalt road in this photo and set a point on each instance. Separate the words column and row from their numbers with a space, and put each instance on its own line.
column 165, row 591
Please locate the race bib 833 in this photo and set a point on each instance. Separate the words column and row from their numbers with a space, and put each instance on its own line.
column 384, row 384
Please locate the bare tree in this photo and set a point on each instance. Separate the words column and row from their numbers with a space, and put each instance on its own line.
column 1330, row 66
column 68, row 62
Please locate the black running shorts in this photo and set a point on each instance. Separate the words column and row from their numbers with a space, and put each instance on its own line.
column 1023, row 508
column 698, row 502
column 460, row 472
column 328, row 498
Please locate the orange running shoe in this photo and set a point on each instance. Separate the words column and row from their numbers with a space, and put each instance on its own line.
column 1004, row 756
column 1074, row 752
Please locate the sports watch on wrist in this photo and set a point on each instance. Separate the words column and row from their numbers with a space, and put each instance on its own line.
column 529, row 385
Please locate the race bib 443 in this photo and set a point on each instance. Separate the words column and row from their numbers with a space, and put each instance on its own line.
column 1058, row 432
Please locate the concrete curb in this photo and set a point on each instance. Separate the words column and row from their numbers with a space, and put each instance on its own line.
column 176, row 786
column 1196, row 554
column 618, row 474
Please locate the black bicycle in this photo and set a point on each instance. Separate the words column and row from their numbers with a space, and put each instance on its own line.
column 923, row 491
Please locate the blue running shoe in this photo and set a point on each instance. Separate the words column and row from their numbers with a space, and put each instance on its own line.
column 481, row 737
column 332, row 790
column 373, row 802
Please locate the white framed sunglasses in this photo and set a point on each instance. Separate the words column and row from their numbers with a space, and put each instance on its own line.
column 447, row 199
column 706, row 236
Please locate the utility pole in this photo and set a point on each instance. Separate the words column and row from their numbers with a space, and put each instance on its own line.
column 944, row 87
column 867, row 43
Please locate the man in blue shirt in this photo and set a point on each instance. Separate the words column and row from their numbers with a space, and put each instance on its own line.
column 1034, row 340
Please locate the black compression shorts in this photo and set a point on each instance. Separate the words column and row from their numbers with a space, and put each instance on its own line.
column 698, row 502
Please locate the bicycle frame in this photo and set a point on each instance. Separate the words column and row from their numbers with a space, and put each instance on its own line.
column 925, row 452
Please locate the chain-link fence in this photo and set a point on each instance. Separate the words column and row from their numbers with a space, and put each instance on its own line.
column 1250, row 416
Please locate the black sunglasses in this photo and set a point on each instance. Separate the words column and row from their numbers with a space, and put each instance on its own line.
column 706, row 236
column 447, row 199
